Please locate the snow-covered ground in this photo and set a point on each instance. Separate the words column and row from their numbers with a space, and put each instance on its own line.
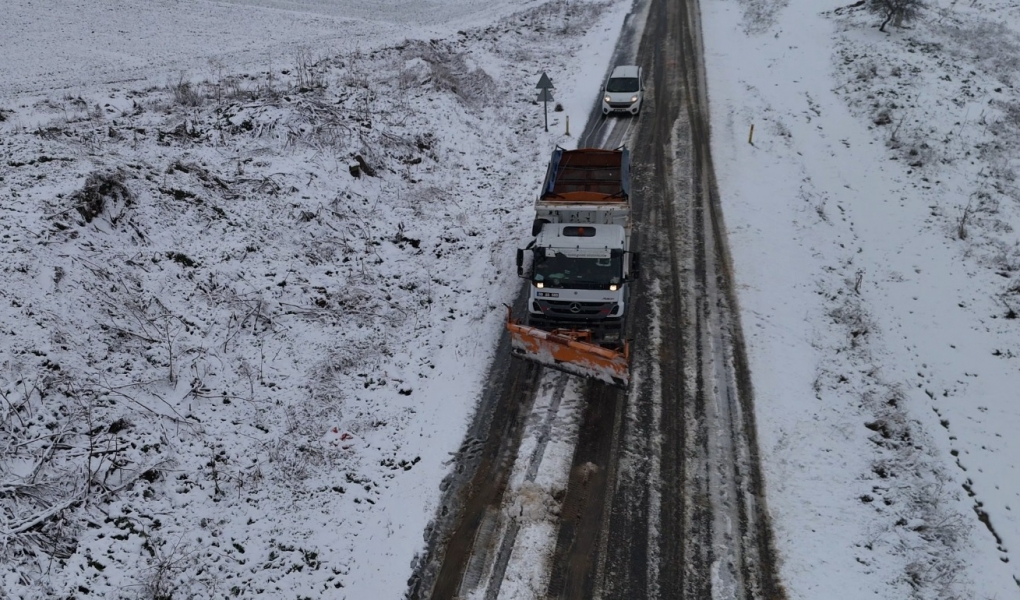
column 53, row 45
column 229, row 366
column 871, row 223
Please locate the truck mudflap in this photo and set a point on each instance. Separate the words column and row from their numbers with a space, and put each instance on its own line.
column 571, row 351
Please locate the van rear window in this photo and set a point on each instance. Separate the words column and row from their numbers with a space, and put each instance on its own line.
column 579, row 231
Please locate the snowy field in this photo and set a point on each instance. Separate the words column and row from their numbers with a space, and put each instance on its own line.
column 255, row 255
column 69, row 45
column 872, row 227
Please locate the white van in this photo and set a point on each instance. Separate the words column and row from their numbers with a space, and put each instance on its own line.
column 624, row 91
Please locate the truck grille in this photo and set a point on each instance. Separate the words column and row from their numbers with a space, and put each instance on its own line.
column 606, row 330
column 575, row 310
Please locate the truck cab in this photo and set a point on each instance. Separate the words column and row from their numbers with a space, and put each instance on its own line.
column 579, row 278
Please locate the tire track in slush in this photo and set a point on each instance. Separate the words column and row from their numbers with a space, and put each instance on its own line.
column 509, row 537
column 575, row 561
column 633, row 559
column 743, row 535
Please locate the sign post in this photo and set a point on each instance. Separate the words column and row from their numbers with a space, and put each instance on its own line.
column 545, row 88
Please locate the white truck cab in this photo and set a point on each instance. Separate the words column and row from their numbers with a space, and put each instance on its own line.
column 578, row 274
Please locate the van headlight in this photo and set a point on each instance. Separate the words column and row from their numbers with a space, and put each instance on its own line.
column 633, row 99
column 607, row 98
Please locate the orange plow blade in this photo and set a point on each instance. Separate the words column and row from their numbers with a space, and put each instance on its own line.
column 570, row 351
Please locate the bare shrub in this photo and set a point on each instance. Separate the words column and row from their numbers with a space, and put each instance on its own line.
column 61, row 430
column 103, row 192
column 867, row 70
column 450, row 72
column 321, row 124
column 561, row 17
column 1002, row 256
column 269, row 92
column 165, row 569
column 232, row 89
column 413, row 73
column 34, row 501
column 961, row 224
column 308, row 72
column 897, row 11
column 926, row 519
column 1010, row 114
column 298, row 453
column 1000, row 153
column 353, row 71
column 852, row 316
column 186, row 93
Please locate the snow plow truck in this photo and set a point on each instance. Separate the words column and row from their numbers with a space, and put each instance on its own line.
column 580, row 266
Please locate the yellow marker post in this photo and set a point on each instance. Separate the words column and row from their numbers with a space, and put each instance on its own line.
column 568, row 124
column 750, row 136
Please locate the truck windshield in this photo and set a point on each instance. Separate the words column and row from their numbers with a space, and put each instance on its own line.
column 620, row 85
column 559, row 271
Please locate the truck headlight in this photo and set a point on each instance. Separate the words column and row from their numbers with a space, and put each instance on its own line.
column 612, row 287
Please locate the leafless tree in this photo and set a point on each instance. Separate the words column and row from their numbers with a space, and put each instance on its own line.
column 897, row 11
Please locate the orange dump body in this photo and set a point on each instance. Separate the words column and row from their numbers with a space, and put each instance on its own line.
column 588, row 175
column 570, row 351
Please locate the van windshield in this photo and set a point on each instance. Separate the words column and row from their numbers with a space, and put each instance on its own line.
column 622, row 85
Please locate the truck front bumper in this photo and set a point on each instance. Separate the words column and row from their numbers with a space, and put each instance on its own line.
column 606, row 331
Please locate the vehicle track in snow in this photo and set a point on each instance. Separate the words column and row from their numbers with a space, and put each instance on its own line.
column 687, row 516
column 725, row 544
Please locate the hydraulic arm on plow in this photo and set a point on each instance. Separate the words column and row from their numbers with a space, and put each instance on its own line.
column 581, row 268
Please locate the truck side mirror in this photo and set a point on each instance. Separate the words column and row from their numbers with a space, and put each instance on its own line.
column 520, row 262
column 635, row 265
